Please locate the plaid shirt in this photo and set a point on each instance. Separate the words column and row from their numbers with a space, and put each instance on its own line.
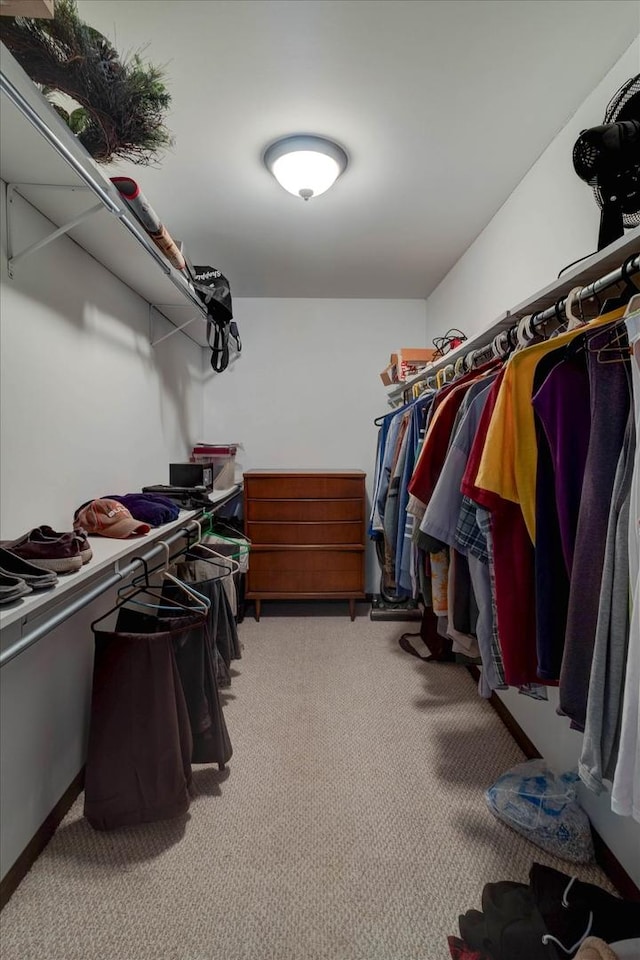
column 469, row 537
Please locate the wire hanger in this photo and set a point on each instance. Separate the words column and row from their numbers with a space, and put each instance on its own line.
column 131, row 594
column 629, row 290
column 617, row 348
column 202, row 602
column 140, row 586
column 221, row 559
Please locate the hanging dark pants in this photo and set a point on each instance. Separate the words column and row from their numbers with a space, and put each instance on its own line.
column 139, row 755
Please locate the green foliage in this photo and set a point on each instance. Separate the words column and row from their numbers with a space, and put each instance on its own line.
column 122, row 101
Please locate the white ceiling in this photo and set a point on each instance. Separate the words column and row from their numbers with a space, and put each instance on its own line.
column 442, row 107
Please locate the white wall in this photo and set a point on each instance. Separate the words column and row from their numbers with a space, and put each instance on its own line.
column 548, row 221
column 306, row 390
column 88, row 408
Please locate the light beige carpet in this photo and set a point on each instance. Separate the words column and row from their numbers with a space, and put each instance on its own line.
column 351, row 825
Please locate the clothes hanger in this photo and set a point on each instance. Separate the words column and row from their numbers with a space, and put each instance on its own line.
column 131, row 592
column 500, row 345
column 573, row 319
column 458, row 368
column 219, row 558
column 202, row 602
column 617, row 349
column 524, row 335
column 134, row 594
column 559, row 320
column 633, row 306
column 239, row 540
column 629, row 290
column 469, row 360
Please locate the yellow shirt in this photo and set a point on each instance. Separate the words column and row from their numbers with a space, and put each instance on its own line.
column 510, row 456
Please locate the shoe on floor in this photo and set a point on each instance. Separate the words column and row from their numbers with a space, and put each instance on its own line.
column 48, row 533
column 12, row 588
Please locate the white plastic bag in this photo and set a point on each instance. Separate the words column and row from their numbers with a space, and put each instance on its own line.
column 542, row 807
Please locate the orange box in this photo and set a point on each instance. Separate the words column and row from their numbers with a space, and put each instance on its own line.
column 412, row 359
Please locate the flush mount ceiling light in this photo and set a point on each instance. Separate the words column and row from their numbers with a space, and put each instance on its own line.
column 305, row 166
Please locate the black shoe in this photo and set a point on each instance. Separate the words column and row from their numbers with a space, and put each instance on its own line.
column 37, row 578
column 12, row 588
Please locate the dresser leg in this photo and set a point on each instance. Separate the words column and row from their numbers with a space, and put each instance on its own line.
column 257, row 604
column 352, row 609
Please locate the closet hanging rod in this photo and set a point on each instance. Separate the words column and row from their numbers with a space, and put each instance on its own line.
column 75, row 606
column 625, row 271
column 28, row 639
column 628, row 269
column 19, row 101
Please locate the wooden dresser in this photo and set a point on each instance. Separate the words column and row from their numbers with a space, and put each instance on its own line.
column 307, row 530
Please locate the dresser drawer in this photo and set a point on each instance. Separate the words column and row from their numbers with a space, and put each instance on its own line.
column 306, row 571
column 305, row 511
column 305, row 533
column 295, row 487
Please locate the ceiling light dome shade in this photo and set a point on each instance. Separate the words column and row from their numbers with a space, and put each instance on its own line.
column 305, row 166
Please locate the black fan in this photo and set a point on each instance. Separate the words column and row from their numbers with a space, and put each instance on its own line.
column 608, row 159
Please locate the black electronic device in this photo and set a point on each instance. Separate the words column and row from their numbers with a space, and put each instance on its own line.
column 607, row 157
column 191, row 475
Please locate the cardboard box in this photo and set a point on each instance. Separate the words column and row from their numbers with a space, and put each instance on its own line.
column 412, row 359
column 390, row 373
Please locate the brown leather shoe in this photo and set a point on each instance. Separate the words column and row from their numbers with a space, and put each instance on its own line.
column 48, row 533
column 61, row 556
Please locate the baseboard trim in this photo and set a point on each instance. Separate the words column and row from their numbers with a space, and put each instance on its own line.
column 604, row 856
column 14, row 877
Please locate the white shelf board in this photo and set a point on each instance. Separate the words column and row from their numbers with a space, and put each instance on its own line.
column 28, row 159
column 107, row 555
column 582, row 274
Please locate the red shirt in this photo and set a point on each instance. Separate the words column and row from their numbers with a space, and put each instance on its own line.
column 513, row 558
column 434, row 452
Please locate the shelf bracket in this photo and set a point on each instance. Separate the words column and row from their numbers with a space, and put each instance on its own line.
column 14, row 259
column 176, row 329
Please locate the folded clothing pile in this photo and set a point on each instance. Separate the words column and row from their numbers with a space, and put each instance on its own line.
column 549, row 918
column 151, row 508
